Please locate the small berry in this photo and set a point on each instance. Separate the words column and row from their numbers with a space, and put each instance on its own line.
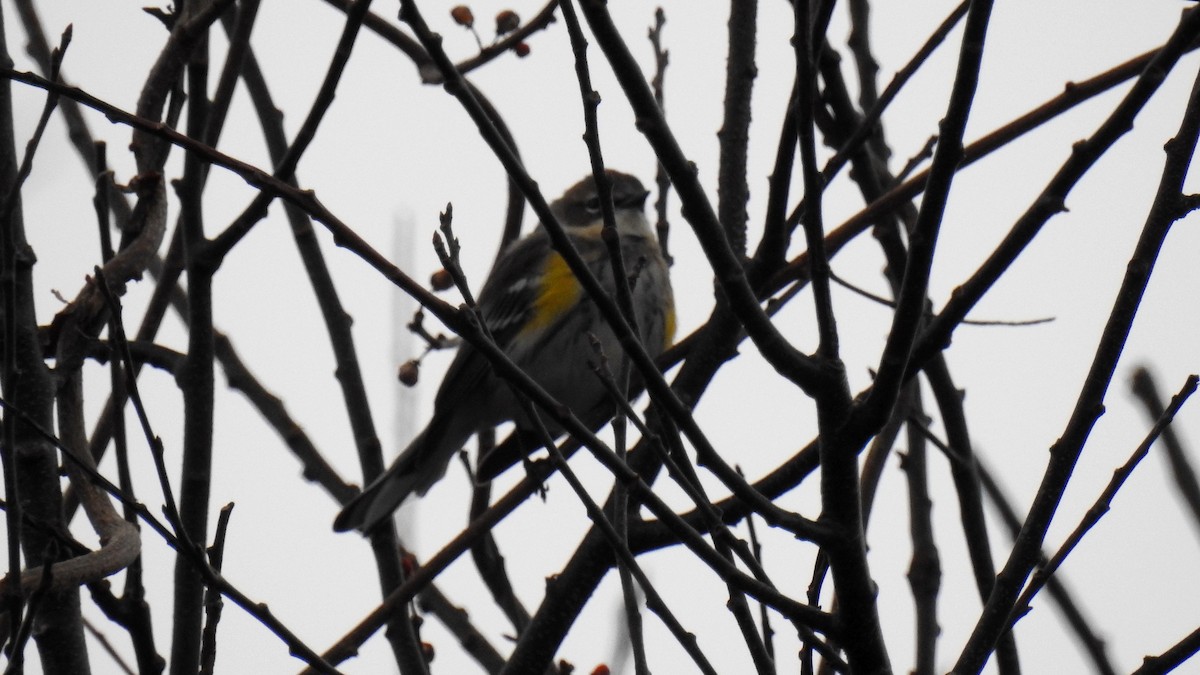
column 410, row 372
column 462, row 16
column 522, row 49
column 441, row 280
column 507, row 21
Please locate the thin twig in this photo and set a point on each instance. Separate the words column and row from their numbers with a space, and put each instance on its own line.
column 108, row 647
column 764, row 617
column 1182, row 470
column 24, row 628
column 733, row 190
column 1104, row 502
column 925, row 568
column 212, row 598
column 662, row 58
column 458, row 622
column 489, row 561
column 879, row 299
column 1172, row 658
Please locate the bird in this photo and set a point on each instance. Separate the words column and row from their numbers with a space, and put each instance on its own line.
column 539, row 314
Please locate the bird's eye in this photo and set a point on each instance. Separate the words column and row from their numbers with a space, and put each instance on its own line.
column 592, row 205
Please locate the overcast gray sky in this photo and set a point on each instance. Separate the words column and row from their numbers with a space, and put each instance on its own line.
column 392, row 153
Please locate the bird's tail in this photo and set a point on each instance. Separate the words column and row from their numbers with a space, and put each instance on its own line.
column 416, row 469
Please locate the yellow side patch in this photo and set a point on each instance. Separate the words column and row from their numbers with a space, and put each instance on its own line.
column 558, row 292
column 669, row 327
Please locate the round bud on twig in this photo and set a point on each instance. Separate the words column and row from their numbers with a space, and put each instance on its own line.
column 441, row 280
column 410, row 372
column 506, row 22
column 462, row 16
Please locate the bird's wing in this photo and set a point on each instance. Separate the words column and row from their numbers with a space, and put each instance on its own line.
column 510, row 294
column 528, row 291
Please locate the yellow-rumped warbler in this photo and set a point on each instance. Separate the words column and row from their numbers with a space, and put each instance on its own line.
column 542, row 318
